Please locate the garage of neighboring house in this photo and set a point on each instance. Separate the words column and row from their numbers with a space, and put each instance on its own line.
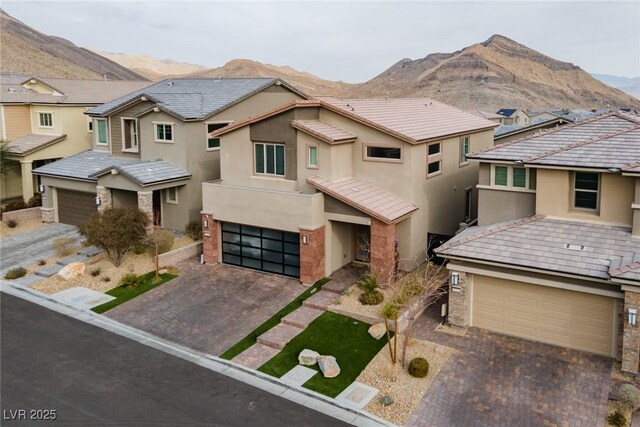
column 75, row 207
column 577, row 320
column 263, row 249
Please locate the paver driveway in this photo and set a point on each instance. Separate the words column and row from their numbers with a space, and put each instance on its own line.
column 209, row 307
column 496, row 380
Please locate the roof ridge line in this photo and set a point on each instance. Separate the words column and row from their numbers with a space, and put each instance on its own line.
column 508, row 226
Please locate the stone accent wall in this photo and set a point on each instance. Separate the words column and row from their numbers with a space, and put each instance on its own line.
column 631, row 335
column 210, row 247
column 181, row 254
column 459, row 302
column 48, row 214
column 312, row 255
column 382, row 251
column 106, row 200
column 145, row 204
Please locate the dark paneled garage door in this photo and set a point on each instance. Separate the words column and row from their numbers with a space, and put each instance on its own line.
column 75, row 207
column 262, row 249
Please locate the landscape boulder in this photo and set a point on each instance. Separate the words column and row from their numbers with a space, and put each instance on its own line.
column 329, row 366
column 72, row 270
column 377, row 331
column 308, row 357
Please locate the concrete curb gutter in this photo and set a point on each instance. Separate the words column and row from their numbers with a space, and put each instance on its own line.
column 233, row 370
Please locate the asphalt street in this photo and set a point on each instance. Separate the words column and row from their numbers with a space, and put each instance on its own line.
column 56, row 366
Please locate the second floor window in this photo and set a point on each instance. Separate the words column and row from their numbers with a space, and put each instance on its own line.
column 586, row 188
column 129, row 135
column 464, row 149
column 434, row 159
column 312, row 156
column 390, row 153
column 101, row 134
column 269, row 159
column 214, row 143
column 510, row 176
column 45, row 120
column 163, row 132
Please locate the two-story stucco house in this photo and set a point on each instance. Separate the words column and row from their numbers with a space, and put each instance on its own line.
column 152, row 149
column 43, row 119
column 555, row 256
column 314, row 185
column 513, row 116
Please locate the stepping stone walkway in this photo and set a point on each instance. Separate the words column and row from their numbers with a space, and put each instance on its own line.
column 302, row 317
column 255, row 356
column 74, row 258
column 279, row 336
column 298, row 375
column 48, row 271
column 357, row 395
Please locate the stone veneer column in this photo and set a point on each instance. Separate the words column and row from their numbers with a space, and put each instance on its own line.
column 631, row 334
column 106, row 201
column 311, row 254
column 459, row 301
column 48, row 214
column 145, row 204
column 382, row 251
column 210, row 248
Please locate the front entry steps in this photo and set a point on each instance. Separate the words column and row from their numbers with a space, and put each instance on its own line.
column 302, row 317
column 321, row 301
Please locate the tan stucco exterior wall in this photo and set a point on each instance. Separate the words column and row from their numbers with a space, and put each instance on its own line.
column 17, row 120
column 504, row 205
column 554, row 197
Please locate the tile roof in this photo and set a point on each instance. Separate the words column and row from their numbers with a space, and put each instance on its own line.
column 81, row 165
column 193, row 98
column 32, row 142
column 504, row 130
column 561, row 246
column 412, row 119
column 324, row 131
column 365, row 197
column 484, row 114
column 590, row 143
column 147, row 172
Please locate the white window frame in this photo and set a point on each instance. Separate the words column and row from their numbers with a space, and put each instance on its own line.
column 573, row 193
column 167, row 199
column 434, row 158
column 40, row 125
column 308, row 155
column 463, row 156
column 509, row 185
column 96, row 134
column 366, row 157
column 164, row 141
column 135, row 149
column 264, row 147
column 206, row 129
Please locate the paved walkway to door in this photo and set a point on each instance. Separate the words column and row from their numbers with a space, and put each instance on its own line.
column 209, row 307
column 495, row 379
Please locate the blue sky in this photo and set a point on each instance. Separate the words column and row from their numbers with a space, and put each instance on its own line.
column 351, row 41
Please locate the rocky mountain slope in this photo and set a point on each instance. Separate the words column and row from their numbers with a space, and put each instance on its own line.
column 26, row 51
column 153, row 68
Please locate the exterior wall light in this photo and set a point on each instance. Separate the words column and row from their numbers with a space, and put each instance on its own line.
column 206, row 223
column 40, row 188
column 633, row 316
column 305, row 239
column 455, row 282
column 98, row 201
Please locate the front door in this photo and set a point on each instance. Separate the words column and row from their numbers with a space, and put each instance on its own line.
column 157, row 208
column 362, row 243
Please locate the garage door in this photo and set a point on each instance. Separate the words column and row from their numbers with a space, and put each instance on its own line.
column 75, row 207
column 262, row 249
column 556, row 316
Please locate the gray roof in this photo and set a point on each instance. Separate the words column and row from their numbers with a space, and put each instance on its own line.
column 192, row 98
column 147, row 172
column 597, row 251
column 32, row 142
column 504, row 130
column 608, row 141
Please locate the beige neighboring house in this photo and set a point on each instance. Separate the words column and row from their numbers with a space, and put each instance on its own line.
column 315, row 185
column 151, row 149
column 497, row 118
column 43, row 119
column 556, row 255
column 513, row 116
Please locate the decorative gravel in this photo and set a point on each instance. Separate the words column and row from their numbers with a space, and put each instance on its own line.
column 394, row 381
column 349, row 302
column 23, row 226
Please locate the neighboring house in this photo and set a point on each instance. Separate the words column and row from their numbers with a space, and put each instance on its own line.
column 497, row 118
column 43, row 119
column 506, row 133
column 314, row 185
column 513, row 116
column 152, row 149
column 556, row 255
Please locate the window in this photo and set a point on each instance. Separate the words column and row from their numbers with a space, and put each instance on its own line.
column 171, row 195
column 393, row 153
column 500, row 175
column 164, row 132
column 214, row 143
column 468, row 199
column 269, row 159
column 312, row 156
column 510, row 177
column 45, row 120
column 464, row 149
column 434, row 159
column 519, row 177
column 129, row 135
column 586, row 186
column 101, row 134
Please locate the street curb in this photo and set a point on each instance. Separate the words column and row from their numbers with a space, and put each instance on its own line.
column 230, row 369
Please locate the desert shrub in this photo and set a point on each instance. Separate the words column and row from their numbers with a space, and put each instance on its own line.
column 64, row 246
column 140, row 249
column 161, row 239
column 630, row 396
column 131, row 280
column 35, row 201
column 367, row 283
column 173, row 270
column 116, row 230
column 15, row 205
column 371, row 298
column 418, row 367
column 390, row 310
column 95, row 272
column 12, row 223
column 194, row 230
column 14, row 273
column 42, row 262
column 386, row 400
column 617, row 419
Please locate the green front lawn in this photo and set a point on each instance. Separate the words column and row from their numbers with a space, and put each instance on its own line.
column 124, row 294
column 335, row 335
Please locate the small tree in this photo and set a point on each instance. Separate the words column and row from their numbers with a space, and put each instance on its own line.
column 159, row 241
column 116, row 230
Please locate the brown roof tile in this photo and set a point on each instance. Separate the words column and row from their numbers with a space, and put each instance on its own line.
column 30, row 143
column 324, row 131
